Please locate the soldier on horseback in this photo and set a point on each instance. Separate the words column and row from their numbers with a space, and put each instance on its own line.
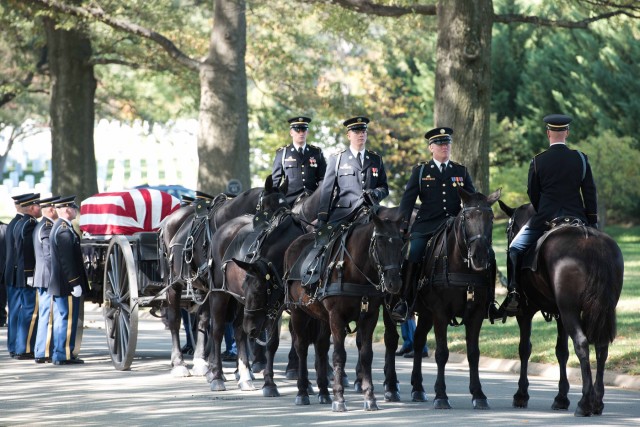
column 560, row 184
column 435, row 183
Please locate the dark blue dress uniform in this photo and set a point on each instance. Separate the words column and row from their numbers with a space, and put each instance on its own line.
column 25, row 262
column 346, row 181
column 305, row 169
column 42, row 276
column 438, row 194
column 560, row 183
column 9, row 277
column 3, row 286
column 67, row 271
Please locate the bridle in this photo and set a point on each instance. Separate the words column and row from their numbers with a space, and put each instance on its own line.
column 467, row 241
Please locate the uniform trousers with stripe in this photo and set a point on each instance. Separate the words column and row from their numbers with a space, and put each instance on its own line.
column 65, row 324
column 27, row 320
column 12, row 317
column 45, row 324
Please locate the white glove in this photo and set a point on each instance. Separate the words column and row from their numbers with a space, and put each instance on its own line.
column 30, row 281
column 77, row 291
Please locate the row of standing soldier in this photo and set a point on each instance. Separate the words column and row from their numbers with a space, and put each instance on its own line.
column 44, row 277
column 560, row 183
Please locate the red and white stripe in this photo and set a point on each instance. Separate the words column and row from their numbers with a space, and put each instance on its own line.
column 126, row 212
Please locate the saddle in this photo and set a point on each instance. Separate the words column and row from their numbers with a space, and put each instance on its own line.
column 313, row 260
column 530, row 258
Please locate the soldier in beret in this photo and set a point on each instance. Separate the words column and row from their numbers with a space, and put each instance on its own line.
column 302, row 163
column 42, row 249
column 68, row 282
column 436, row 183
column 560, row 183
column 26, row 327
column 355, row 177
column 9, row 274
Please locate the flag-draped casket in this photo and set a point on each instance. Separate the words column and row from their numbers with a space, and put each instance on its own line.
column 126, row 212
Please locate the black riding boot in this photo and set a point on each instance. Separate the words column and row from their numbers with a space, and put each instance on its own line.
column 410, row 271
column 510, row 305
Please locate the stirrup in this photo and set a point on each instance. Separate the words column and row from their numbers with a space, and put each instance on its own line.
column 511, row 304
column 400, row 312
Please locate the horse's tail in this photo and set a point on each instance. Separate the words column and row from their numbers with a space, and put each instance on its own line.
column 600, row 299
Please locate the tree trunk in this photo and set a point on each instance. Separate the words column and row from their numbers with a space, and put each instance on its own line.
column 223, row 137
column 463, row 82
column 73, row 86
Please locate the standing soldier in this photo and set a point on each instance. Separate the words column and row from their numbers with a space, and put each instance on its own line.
column 3, row 286
column 9, row 275
column 25, row 267
column 42, row 249
column 436, row 184
column 355, row 177
column 68, row 282
column 302, row 163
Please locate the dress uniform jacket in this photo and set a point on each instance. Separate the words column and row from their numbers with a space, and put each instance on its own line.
column 561, row 184
column 345, row 182
column 304, row 171
column 438, row 195
column 9, row 273
column 67, row 268
column 3, row 252
column 25, row 255
column 42, row 249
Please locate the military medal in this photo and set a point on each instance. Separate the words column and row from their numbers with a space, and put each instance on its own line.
column 374, row 171
column 312, row 162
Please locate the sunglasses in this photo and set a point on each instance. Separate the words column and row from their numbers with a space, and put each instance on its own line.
column 299, row 129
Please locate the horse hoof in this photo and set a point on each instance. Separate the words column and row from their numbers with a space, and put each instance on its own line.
column 598, row 409
column 419, row 396
column 480, row 404
column 370, row 405
column 200, row 367
column 357, row 387
column 560, row 404
column 258, row 367
column 270, row 391
column 180, row 371
column 218, row 385
column 291, row 374
column 441, row 404
column 324, row 399
column 581, row 413
column 392, row 396
column 246, row 385
column 521, row 403
column 339, row 407
column 302, row 400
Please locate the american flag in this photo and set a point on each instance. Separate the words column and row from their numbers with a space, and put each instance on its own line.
column 126, row 212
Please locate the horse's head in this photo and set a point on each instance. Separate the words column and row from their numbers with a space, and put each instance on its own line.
column 273, row 197
column 518, row 217
column 386, row 251
column 475, row 222
column 263, row 297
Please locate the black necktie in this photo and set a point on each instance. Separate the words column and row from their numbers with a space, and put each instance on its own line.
column 442, row 167
column 359, row 159
column 300, row 152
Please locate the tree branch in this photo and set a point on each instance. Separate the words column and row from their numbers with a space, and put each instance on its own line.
column 96, row 13
column 536, row 20
column 369, row 7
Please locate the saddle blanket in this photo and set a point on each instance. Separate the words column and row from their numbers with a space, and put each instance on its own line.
column 126, row 212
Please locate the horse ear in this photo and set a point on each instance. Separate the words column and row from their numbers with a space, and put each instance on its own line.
column 506, row 209
column 284, row 185
column 464, row 195
column 268, row 183
column 377, row 222
column 246, row 266
column 493, row 197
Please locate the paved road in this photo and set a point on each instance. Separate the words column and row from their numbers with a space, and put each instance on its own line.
column 97, row 394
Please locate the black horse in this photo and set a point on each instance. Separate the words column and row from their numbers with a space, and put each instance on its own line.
column 367, row 263
column 237, row 241
column 578, row 281
column 184, row 241
column 455, row 280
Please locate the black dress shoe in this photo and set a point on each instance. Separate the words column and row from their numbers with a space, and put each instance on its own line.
column 403, row 350
column 12, row 355
column 511, row 304
column 74, row 361
column 400, row 311
column 24, row 356
column 43, row 359
column 409, row 355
